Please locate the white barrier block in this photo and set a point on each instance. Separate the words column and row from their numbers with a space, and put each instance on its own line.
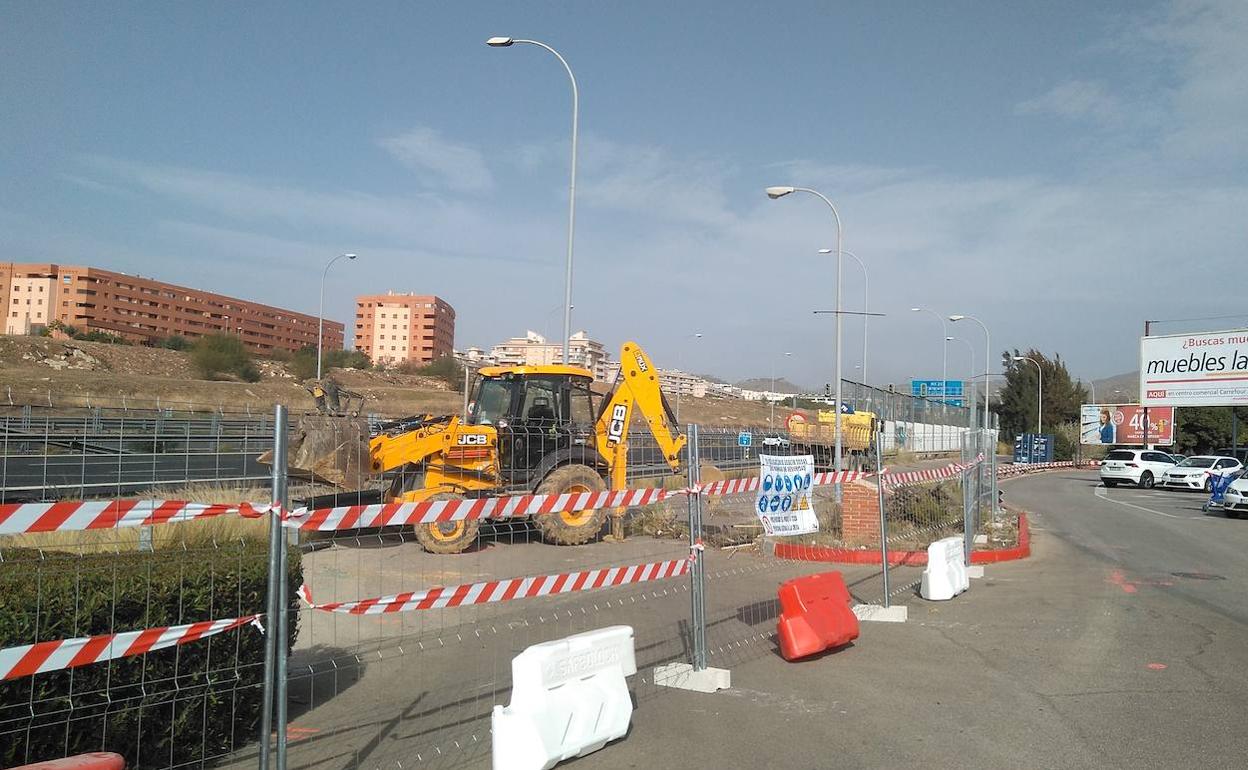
column 568, row 698
column 946, row 575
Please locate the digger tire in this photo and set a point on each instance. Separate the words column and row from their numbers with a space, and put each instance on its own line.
column 448, row 536
column 571, row 527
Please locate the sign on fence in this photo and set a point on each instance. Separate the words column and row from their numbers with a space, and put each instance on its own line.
column 1201, row 369
column 785, row 506
column 1124, row 424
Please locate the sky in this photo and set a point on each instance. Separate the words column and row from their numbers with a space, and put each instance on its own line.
column 1060, row 170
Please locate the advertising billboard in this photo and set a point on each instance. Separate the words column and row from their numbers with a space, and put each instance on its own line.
column 1124, row 424
column 1203, row 369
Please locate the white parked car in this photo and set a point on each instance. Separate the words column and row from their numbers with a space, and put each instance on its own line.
column 1193, row 473
column 1142, row 467
column 1236, row 498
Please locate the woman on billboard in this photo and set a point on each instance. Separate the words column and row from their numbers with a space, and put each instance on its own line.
column 1107, row 427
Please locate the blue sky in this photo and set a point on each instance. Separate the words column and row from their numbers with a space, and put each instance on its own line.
column 1062, row 170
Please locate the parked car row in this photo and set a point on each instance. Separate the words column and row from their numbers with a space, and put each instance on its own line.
column 1147, row 468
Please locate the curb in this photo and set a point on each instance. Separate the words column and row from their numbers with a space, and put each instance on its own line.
column 905, row 558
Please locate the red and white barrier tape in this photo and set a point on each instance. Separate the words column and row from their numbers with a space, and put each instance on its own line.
column 930, row 474
column 42, row 657
column 17, row 518
column 492, row 591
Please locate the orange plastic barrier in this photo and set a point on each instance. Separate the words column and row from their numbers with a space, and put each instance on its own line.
column 99, row 760
column 815, row 615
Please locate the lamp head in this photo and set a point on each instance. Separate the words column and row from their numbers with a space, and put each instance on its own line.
column 350, row 256
column 915, row 309
column 778, row 192
column 1019, row 358
column 499, row 42
column 948, row 339
column 827, row 251
column 956, row 317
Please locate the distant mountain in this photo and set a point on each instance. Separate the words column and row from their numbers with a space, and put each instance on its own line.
column 1119, row 389
column 712, row 378
column 764, row 384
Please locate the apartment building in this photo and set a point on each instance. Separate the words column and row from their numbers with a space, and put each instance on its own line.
column 394, row 328
column 674, row 381
column 534, row 350
column 145, row 310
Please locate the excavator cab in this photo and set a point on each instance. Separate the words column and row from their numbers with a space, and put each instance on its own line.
column 539, row 413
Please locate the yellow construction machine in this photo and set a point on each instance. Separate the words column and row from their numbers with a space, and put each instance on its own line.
column 538, row 429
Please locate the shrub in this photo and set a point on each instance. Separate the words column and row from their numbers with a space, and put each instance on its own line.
column 444, row 368
column 303, row 363
column 176, row 342
column 217, row 355
column 178, row 706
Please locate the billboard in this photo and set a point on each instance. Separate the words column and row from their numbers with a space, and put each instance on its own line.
column 1124, row 424
column 1204, row 369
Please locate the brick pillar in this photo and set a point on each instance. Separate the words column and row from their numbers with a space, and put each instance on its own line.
column 860, row 513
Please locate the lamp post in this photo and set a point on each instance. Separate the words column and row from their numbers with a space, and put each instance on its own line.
column 320, row 313
column 680, row 388
column 987, row 356
column 780, row 192
column 771, row 418
column 866, row 302
column 1039, row 390
column 944, row 351
column 506, row 42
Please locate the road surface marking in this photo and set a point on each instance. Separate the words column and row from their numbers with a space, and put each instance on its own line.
column 1101, row 493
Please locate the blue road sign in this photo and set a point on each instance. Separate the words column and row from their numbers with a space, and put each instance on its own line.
column 744, row 438
column 946, row 390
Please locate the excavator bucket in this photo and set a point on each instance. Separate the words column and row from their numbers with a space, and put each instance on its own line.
column 328, row 449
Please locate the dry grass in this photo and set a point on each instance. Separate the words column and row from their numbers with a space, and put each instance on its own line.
column 191, row 535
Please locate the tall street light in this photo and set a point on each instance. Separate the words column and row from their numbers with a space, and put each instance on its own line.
column 780, row 192
column 971, row 367
column 320, row 313
column 680, row 388
column 866, row 302
column 506, row 42
column 987, row 356
column 1039, row 390
column 771, row 418
column 944, row 352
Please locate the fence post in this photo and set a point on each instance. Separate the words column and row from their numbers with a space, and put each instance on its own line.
column 275, row 615
column 879, row 462
column 696, row 574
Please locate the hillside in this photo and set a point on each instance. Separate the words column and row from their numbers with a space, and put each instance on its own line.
column 39, row 370
column 764, row 384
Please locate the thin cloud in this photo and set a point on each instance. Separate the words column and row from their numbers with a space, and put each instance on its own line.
column 440, row 162
column 1075, row 100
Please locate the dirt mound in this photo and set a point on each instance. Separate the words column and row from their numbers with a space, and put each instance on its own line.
column 59, row 355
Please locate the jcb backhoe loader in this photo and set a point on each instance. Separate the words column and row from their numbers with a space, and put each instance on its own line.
column 529, row 429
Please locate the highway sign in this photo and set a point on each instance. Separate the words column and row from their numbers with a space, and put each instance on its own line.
column 745, row 438
column 937, row 389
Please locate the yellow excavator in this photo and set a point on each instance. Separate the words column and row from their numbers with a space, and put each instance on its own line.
column 538, row 429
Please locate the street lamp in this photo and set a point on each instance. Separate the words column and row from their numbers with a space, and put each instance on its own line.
column 987, row 356
column 1039, row 390
column 866, row 301
column 780, row 192
column 507, row 42
column 971, row 381
column 320, row 313
column 771, row 418
column 680, row 388
column 944, row 352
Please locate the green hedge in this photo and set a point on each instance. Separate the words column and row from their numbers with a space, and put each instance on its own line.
column 185, row 704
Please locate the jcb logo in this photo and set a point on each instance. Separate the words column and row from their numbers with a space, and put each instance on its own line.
column 641, row 363
column 615, row 431
column 473, row 439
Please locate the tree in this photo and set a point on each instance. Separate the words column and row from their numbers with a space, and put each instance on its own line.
column 1016, row 404
column 216, row 355
column 1206, row 429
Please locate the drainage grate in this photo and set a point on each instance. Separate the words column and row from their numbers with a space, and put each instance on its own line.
column 1197, row 576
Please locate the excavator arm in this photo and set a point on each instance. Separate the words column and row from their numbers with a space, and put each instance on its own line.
column 636, row 387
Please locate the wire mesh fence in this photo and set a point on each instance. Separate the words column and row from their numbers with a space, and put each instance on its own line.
column 419, row 561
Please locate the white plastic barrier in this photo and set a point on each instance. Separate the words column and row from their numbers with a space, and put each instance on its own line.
column 945, row 576
column 568, row 698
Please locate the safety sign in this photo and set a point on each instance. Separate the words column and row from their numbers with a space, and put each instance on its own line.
column 785, row 505
column 745, row 438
